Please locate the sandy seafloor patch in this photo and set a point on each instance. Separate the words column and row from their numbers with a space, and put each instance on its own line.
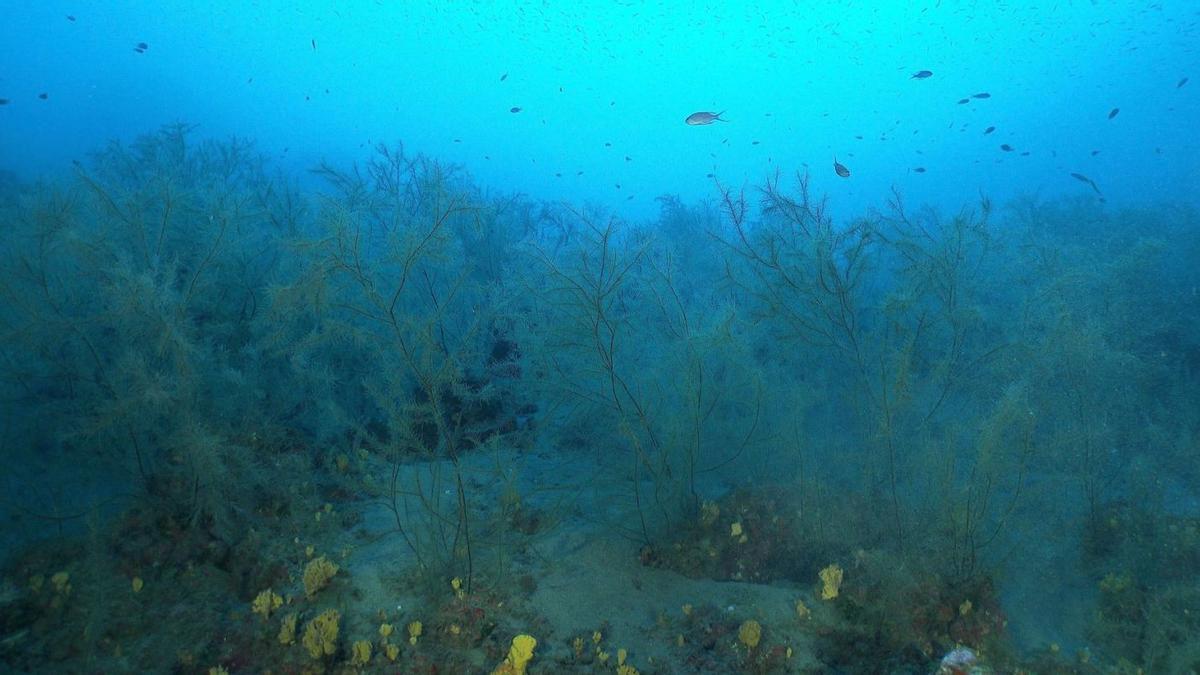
column 587, row 575
column 586, row 571
column 603, row 579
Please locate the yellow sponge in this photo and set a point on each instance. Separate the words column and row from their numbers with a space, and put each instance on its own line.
column 317, row 574
column 321, row 634
column 519, row 656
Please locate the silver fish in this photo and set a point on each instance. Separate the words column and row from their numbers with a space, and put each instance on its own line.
column 697, row 119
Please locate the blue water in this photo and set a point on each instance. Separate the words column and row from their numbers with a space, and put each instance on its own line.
column 804, row 83
column 454, row 295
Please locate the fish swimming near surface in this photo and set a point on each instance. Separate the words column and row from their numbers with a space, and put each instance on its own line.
column 1181, row 83
column 921, row 75
column 982, row 94
column 1113, row 113
column 1084, row 179
column 840, row 169
column 698, row 119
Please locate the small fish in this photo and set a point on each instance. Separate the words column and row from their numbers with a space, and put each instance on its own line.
column 505, row 77
column 1113, row 113
column 3, row 101
column 1084, row 179
column 141, row 47
column 1095, row 152
column 982, row 94
column 919, row 169
column 698, row 119
column 43, row 96
column 963, row 100
column 314, row 44
column 1181, row 83
column 71, row 18
column 921, row 75
column 840, row 169
column 1006, row 147
column 988, row 130
column 514, row 109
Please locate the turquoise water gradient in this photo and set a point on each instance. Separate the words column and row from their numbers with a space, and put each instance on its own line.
column 802, row 79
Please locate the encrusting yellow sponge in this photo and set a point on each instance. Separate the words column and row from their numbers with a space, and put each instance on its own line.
column 831, row 582
column 321, row 634
column 519, row 656
column 317, row 574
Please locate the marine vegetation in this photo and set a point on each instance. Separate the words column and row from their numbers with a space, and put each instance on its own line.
column 378, row 419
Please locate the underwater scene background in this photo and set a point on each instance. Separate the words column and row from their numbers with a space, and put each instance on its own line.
column 610, row 337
